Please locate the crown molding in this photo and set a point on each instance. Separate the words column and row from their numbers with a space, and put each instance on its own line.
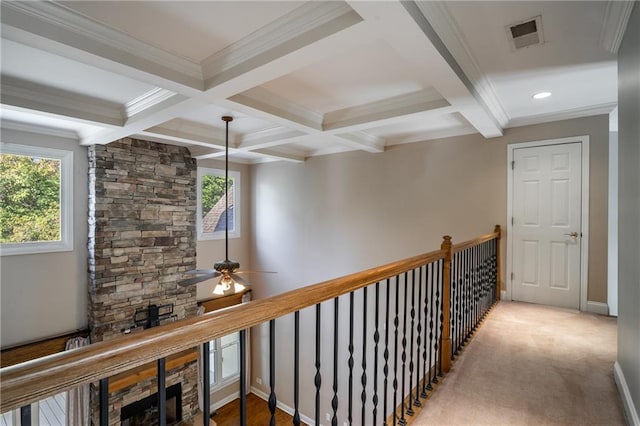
column 39, row 129
column 33, row 96
column 302, row 20
column 146, row 101
column 445, row 26
column 57, row 22
column 615, row 24
column 604, row 108
column 385, row 109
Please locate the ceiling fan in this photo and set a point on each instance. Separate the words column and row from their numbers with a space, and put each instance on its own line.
column 228, row 270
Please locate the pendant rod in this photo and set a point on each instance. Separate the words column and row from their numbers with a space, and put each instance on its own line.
column 226, row 119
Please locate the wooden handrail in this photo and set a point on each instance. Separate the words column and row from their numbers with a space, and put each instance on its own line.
column 32, row 381
column 456, row 248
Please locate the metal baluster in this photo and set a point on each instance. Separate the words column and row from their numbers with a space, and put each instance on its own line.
column 25, row 415
column 440, row 281
column 273, row 401
column 318, row 377
column 396, row 322
column 466, row 294
column 402, row 420
column 243, row 379
column 104, row 402
column 416, row 402
column 363, row 379
column 334, row 400
column 432, row 342
column 427, row 341
column 162, row 392
column 376, row 339
column 410, row 411
column 472, row 252
column 350, row 363
column 296, row 368
column 206, row 383
column 385, row 355
column 459, row 300
column 454, row 310
column 437, row 336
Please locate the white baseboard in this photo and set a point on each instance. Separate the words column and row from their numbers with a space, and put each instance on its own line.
column 503, row 295
column 282, row 406
column 598, row 308
column 629, row 409
column 224, row 401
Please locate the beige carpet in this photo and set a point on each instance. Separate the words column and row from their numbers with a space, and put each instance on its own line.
column 532, row 365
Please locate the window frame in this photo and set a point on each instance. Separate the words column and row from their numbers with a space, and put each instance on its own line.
column 235, row 232
column 216, row 381
column 66, row 201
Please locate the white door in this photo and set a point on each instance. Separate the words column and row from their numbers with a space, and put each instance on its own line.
column 547, row 191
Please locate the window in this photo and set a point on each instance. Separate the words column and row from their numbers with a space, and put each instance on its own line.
column 212, row 204
column 36, row 199
column 224, row 360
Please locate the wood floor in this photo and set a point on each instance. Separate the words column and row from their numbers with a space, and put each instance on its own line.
column 257, row 413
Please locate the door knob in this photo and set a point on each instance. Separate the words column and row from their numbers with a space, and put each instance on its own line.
column 573, row 234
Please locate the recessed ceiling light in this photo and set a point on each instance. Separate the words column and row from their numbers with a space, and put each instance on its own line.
column 541, row 95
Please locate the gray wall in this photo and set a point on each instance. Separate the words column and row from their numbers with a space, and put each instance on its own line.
column 340, row 214
column 629, row 208
column 46, row 294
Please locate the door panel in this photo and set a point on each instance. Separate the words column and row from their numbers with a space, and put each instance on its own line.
column 546, row 210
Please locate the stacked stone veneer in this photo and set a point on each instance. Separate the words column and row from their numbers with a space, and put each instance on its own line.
column 142, row 237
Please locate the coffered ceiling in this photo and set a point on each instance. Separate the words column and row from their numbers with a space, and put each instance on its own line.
column 300, row 78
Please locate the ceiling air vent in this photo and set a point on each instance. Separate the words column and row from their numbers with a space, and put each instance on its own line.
column 526, row 33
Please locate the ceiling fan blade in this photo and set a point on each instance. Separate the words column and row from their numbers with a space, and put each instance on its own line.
column 240, row 280
column 195, row 280
column 255, row 272
column 200, row 271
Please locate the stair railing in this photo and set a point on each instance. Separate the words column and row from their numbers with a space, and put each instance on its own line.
column 407, row 338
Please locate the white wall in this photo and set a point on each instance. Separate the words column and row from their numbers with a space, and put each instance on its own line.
column 612, row 264
column 339, row 214
column 628, row 364
column 46, row 294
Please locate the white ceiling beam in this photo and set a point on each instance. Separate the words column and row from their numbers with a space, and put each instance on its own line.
column 280, row 155
column 421, row 47
column 159, row 113
column 440, row 19
column 383, row 112
column 23, row 94
column 362, row 141
column 270, row 138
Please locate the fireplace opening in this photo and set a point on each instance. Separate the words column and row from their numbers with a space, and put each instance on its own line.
column 145, row 411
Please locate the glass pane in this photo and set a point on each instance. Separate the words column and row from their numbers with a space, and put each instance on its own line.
column 30, row 199
column 212, row 363
column 230, row 361
column 214, row 204
column 230, row 339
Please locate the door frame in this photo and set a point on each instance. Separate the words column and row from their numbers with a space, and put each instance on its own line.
column 584, row 216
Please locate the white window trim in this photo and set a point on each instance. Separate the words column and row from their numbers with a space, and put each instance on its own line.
column 219, row 382
column 66, row 201
column 235, row 175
